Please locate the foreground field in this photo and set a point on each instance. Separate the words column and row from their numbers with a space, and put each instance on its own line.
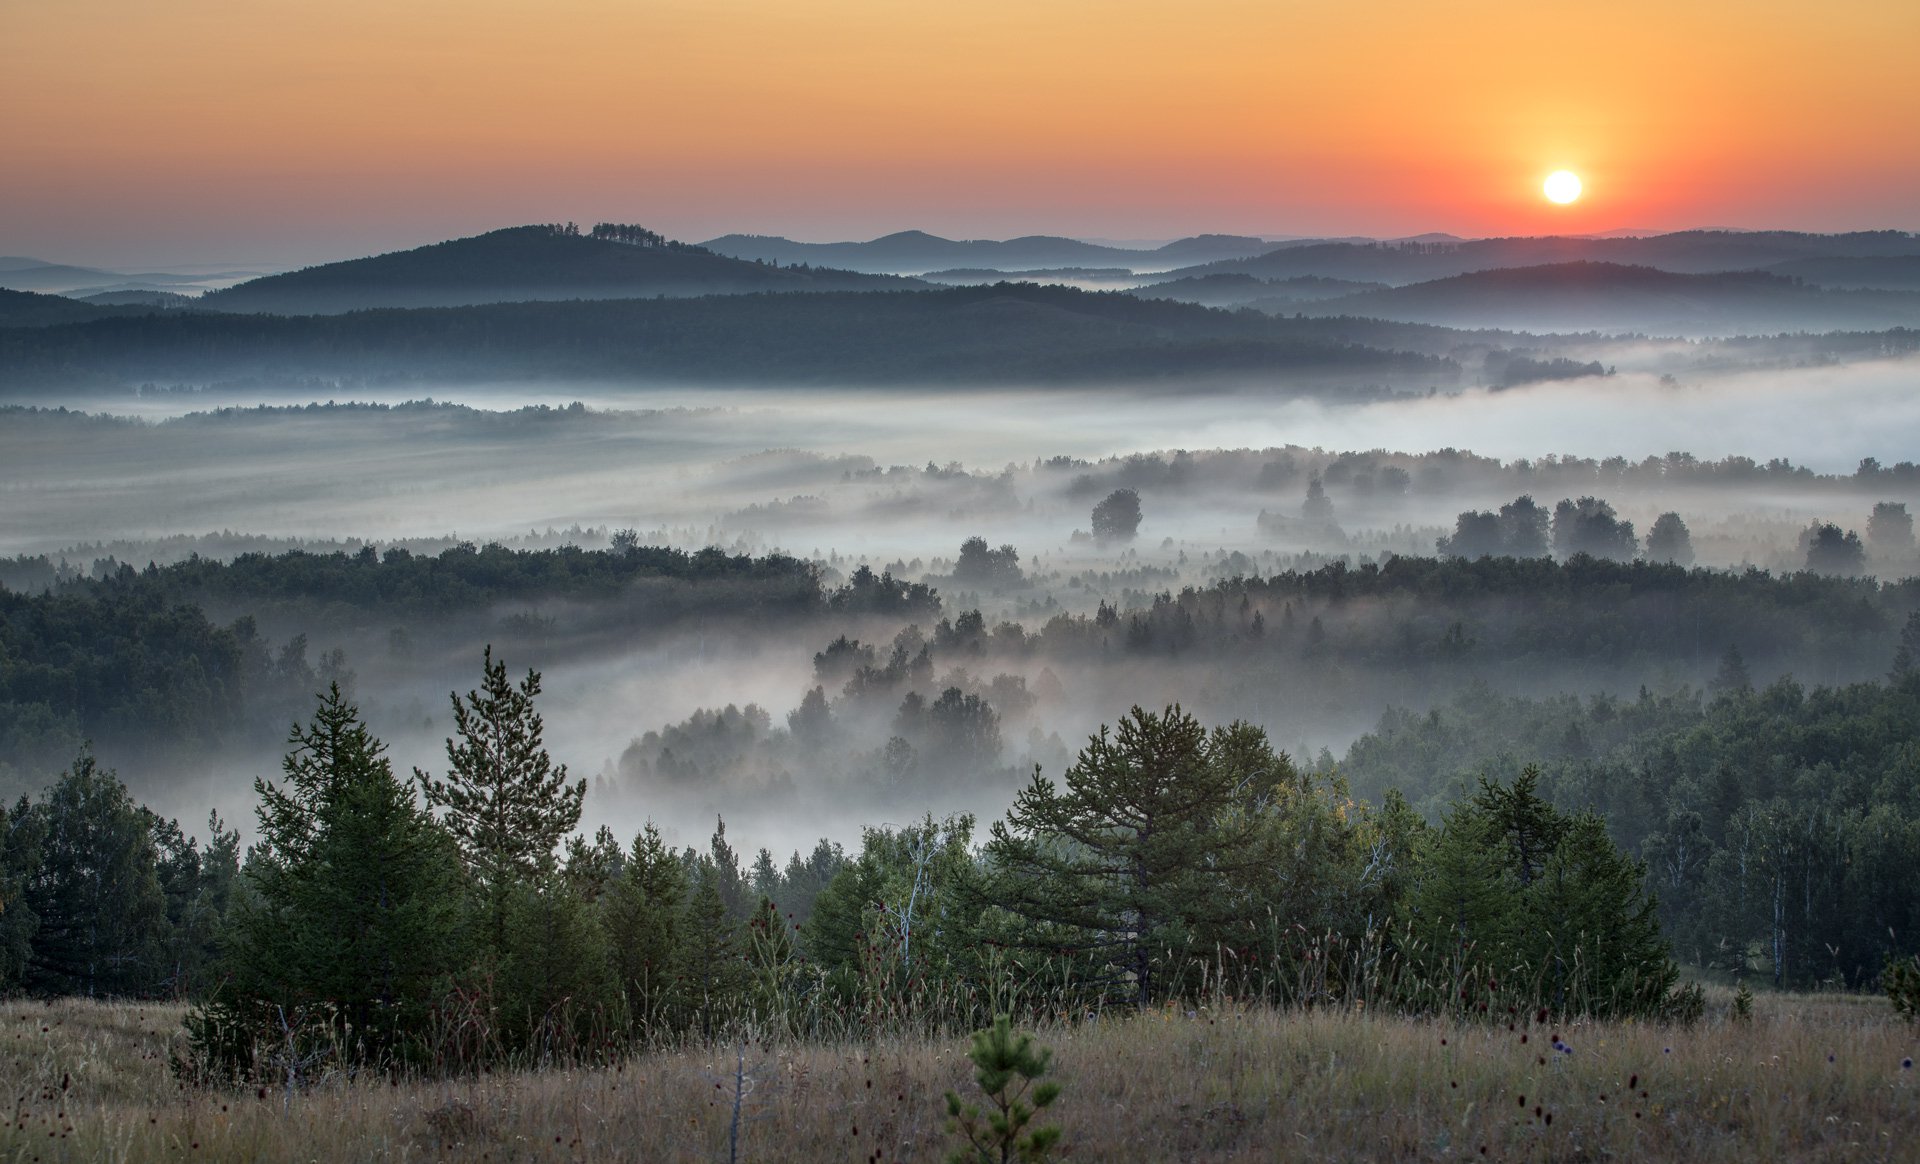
column 1808, row 1078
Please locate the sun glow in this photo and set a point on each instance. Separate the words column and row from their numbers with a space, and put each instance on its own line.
column 1562, row 186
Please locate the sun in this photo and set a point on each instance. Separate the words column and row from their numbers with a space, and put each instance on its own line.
column 1562, row 186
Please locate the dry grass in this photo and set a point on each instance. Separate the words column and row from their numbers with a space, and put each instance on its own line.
column 1810, row 1078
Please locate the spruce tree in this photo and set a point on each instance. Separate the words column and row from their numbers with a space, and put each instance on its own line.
column 504, row 801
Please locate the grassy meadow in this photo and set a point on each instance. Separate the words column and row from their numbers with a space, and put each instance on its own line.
column 1808, row 1077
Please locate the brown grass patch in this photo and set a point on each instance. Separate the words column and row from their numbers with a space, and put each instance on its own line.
column 1810, row 1078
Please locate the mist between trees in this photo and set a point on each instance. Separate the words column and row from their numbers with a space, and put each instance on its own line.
column 448, row 931
column 1761, row 826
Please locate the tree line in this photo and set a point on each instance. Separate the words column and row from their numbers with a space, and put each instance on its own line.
column 1781, row 823
column 458, row 918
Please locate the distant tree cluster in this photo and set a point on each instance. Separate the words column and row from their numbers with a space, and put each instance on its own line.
column 640, row 236
column 1519, row 530
column 1117, row 517
column 980, row 566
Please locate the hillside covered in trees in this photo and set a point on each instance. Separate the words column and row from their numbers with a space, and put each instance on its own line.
column 611, row 261
column 1003, row 334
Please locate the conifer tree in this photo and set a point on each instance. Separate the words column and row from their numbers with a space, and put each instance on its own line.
column 1006, row 1066
column 554, row 977
column 353, row 907
column 713, row 969
column 645, row 913
column 94, row 888
column 504, row 801
column 1130, row 860
column 1515, row 888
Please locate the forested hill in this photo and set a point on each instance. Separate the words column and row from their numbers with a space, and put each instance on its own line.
column 917, row 252
column 32, row 309
column 1004, row 334
column 527, row 263
column 1615, row 298
column 1693, row 251
column 140, row 657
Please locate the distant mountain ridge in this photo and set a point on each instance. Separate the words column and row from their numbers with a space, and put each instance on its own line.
column 1619, row 298
column 524, row 264
column 1685, row 252
column 1008, row 334
column 32, row 309
column 917, row 252
column 20, row 273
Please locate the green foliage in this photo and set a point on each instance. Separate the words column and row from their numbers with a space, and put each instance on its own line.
column 1134, row 857
column 93, row 888
column 1901, row 981
column 1517, row 891
column 1778, row 824
column 554, row 982
column 644, row 912
column 1743, row 1004
column 504, row 802
column 350, row 923
column 1006, row 1065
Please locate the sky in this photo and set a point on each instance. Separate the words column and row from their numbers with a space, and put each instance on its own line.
column 277, row 132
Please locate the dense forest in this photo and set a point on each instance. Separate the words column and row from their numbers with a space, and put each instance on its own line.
column 379, row 920
column 123, row 654
column 1780, row 822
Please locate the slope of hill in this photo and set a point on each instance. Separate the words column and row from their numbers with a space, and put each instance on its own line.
column 1230, row 289
column 1856, row 272
column 916, row 252
column 1004, row 334
column 1067, row 275
column 31, row 309
column 1689, row 252
column 19, row 273
column 1610, row 297
column 521, row 264
column 167, row 299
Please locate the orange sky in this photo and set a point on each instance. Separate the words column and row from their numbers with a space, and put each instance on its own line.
column 285, row 130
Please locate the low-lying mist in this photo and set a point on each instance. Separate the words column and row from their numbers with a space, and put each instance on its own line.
column 896, row 482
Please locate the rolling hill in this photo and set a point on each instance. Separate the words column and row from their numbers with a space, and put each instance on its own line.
column 32, row 309
column 1009, row 334
column 916, row 252
column 1686, row 252
column 1612, row 297
column 523, row 264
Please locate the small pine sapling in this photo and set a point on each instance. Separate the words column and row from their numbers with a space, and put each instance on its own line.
column 1006, row 1066
column 1743, row 1004
column 1901, row 979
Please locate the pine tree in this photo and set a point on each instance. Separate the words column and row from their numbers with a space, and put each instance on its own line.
column 645, row 917
column 1006, row 1065
column 352, row 912
column 554, row 982
column 1513, row 888
column 504, row 801
column 713, row 970
column 1133, row 857
column 94, row 888
column 19, row 845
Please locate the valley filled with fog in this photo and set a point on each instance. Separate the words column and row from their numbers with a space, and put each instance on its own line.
column 682, row 719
